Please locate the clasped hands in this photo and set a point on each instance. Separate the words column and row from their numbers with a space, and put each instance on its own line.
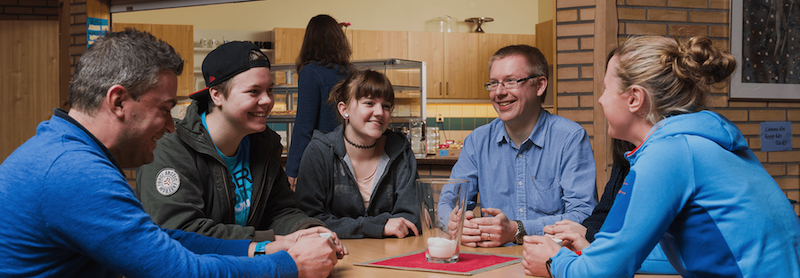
column 287, row 242
column 483, row 231
column 314, row 255
column 538, row 249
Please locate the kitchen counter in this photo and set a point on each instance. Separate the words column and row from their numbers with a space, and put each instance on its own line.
column 428, row 160
column 437, row 160
column 431, row 166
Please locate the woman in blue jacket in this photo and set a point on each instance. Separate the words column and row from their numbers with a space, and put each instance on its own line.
column 694, row 186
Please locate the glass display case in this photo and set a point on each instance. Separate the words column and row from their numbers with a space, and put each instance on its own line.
column 407, row 77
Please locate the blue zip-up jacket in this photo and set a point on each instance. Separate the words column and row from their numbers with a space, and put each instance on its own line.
column 695, row 187
column 69, row 212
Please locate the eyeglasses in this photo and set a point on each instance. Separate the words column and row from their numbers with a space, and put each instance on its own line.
column 511, row 83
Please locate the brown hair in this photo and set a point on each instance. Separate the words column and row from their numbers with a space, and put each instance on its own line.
column 677, row 75
column 361, row 84
column 325, row 43
column 537, row 63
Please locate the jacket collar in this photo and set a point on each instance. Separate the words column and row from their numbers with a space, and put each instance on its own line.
column 58, row 112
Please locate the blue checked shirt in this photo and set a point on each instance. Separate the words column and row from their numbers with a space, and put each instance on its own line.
column 549, row 178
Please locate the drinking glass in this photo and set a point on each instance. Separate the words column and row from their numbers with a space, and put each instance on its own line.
column 418, row 141
column 442, row 244
column 444, row 23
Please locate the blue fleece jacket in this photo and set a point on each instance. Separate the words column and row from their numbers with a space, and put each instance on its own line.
column 69, row 212
column 695, row 187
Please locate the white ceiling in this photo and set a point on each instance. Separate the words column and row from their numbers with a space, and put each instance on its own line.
column 141, row 5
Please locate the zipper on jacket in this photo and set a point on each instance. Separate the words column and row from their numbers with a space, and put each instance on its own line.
column 225, row 179
column 254, row 205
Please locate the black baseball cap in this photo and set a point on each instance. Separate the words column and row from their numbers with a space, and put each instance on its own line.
column 225, row 62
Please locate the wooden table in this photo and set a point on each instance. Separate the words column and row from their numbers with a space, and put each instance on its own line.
column 362, row 250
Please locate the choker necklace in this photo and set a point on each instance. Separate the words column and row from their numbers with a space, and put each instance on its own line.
column 357, row 145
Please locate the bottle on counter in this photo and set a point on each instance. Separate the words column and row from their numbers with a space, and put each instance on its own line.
column 433, row 140
column 418, row 138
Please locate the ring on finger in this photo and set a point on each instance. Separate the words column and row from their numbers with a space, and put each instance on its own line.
column 490, row 237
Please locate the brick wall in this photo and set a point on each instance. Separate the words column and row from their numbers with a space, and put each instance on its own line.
column 28, row 9
column 681, row 18
column 574, row 55
column 574, row 72
column 77, row 31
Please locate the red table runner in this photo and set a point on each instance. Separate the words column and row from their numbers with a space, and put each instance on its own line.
column 469, row 263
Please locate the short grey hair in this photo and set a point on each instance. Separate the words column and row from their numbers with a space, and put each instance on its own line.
column 130, row 58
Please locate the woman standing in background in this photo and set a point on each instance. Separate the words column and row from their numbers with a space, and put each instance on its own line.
column 324, row 60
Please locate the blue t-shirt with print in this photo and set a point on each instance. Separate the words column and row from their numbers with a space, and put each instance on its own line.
column 239, row 167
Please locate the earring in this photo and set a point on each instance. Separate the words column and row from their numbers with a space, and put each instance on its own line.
column 346, row 115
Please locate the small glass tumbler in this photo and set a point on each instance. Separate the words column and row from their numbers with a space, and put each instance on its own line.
column 442, row 218
column 417, row 136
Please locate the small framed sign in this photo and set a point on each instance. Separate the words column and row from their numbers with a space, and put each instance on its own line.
column 776, row 136
column 95, row 27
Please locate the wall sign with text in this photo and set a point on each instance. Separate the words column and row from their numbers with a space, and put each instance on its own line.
column 95, row 27
column 776, row 136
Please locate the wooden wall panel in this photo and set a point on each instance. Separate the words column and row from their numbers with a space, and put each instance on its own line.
column 370, row 45
column 28, row 79
column 545, row 40
column 287, row 43
column 463, row 51
column 181, row 38
column 429, row 47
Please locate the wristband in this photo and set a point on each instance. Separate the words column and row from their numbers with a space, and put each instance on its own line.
column 547, row 266
column 260, row 248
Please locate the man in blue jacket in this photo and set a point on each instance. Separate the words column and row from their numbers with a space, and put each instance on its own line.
column 69, row 211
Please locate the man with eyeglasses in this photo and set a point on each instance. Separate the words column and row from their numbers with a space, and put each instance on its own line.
column 530, row 167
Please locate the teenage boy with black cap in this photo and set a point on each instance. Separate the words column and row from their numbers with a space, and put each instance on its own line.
column 219, row 173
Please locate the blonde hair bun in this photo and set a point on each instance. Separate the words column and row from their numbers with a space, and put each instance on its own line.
column 676, row 74
column 700, row 62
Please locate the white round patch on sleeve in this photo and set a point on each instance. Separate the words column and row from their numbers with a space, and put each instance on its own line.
column 168, row 181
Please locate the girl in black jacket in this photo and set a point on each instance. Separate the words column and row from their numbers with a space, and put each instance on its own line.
column 359, row 178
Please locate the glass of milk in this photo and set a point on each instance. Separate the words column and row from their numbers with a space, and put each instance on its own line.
column 442, row 205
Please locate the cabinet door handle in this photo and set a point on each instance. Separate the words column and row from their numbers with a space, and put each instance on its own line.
column 440, row 88
column 448, row 89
